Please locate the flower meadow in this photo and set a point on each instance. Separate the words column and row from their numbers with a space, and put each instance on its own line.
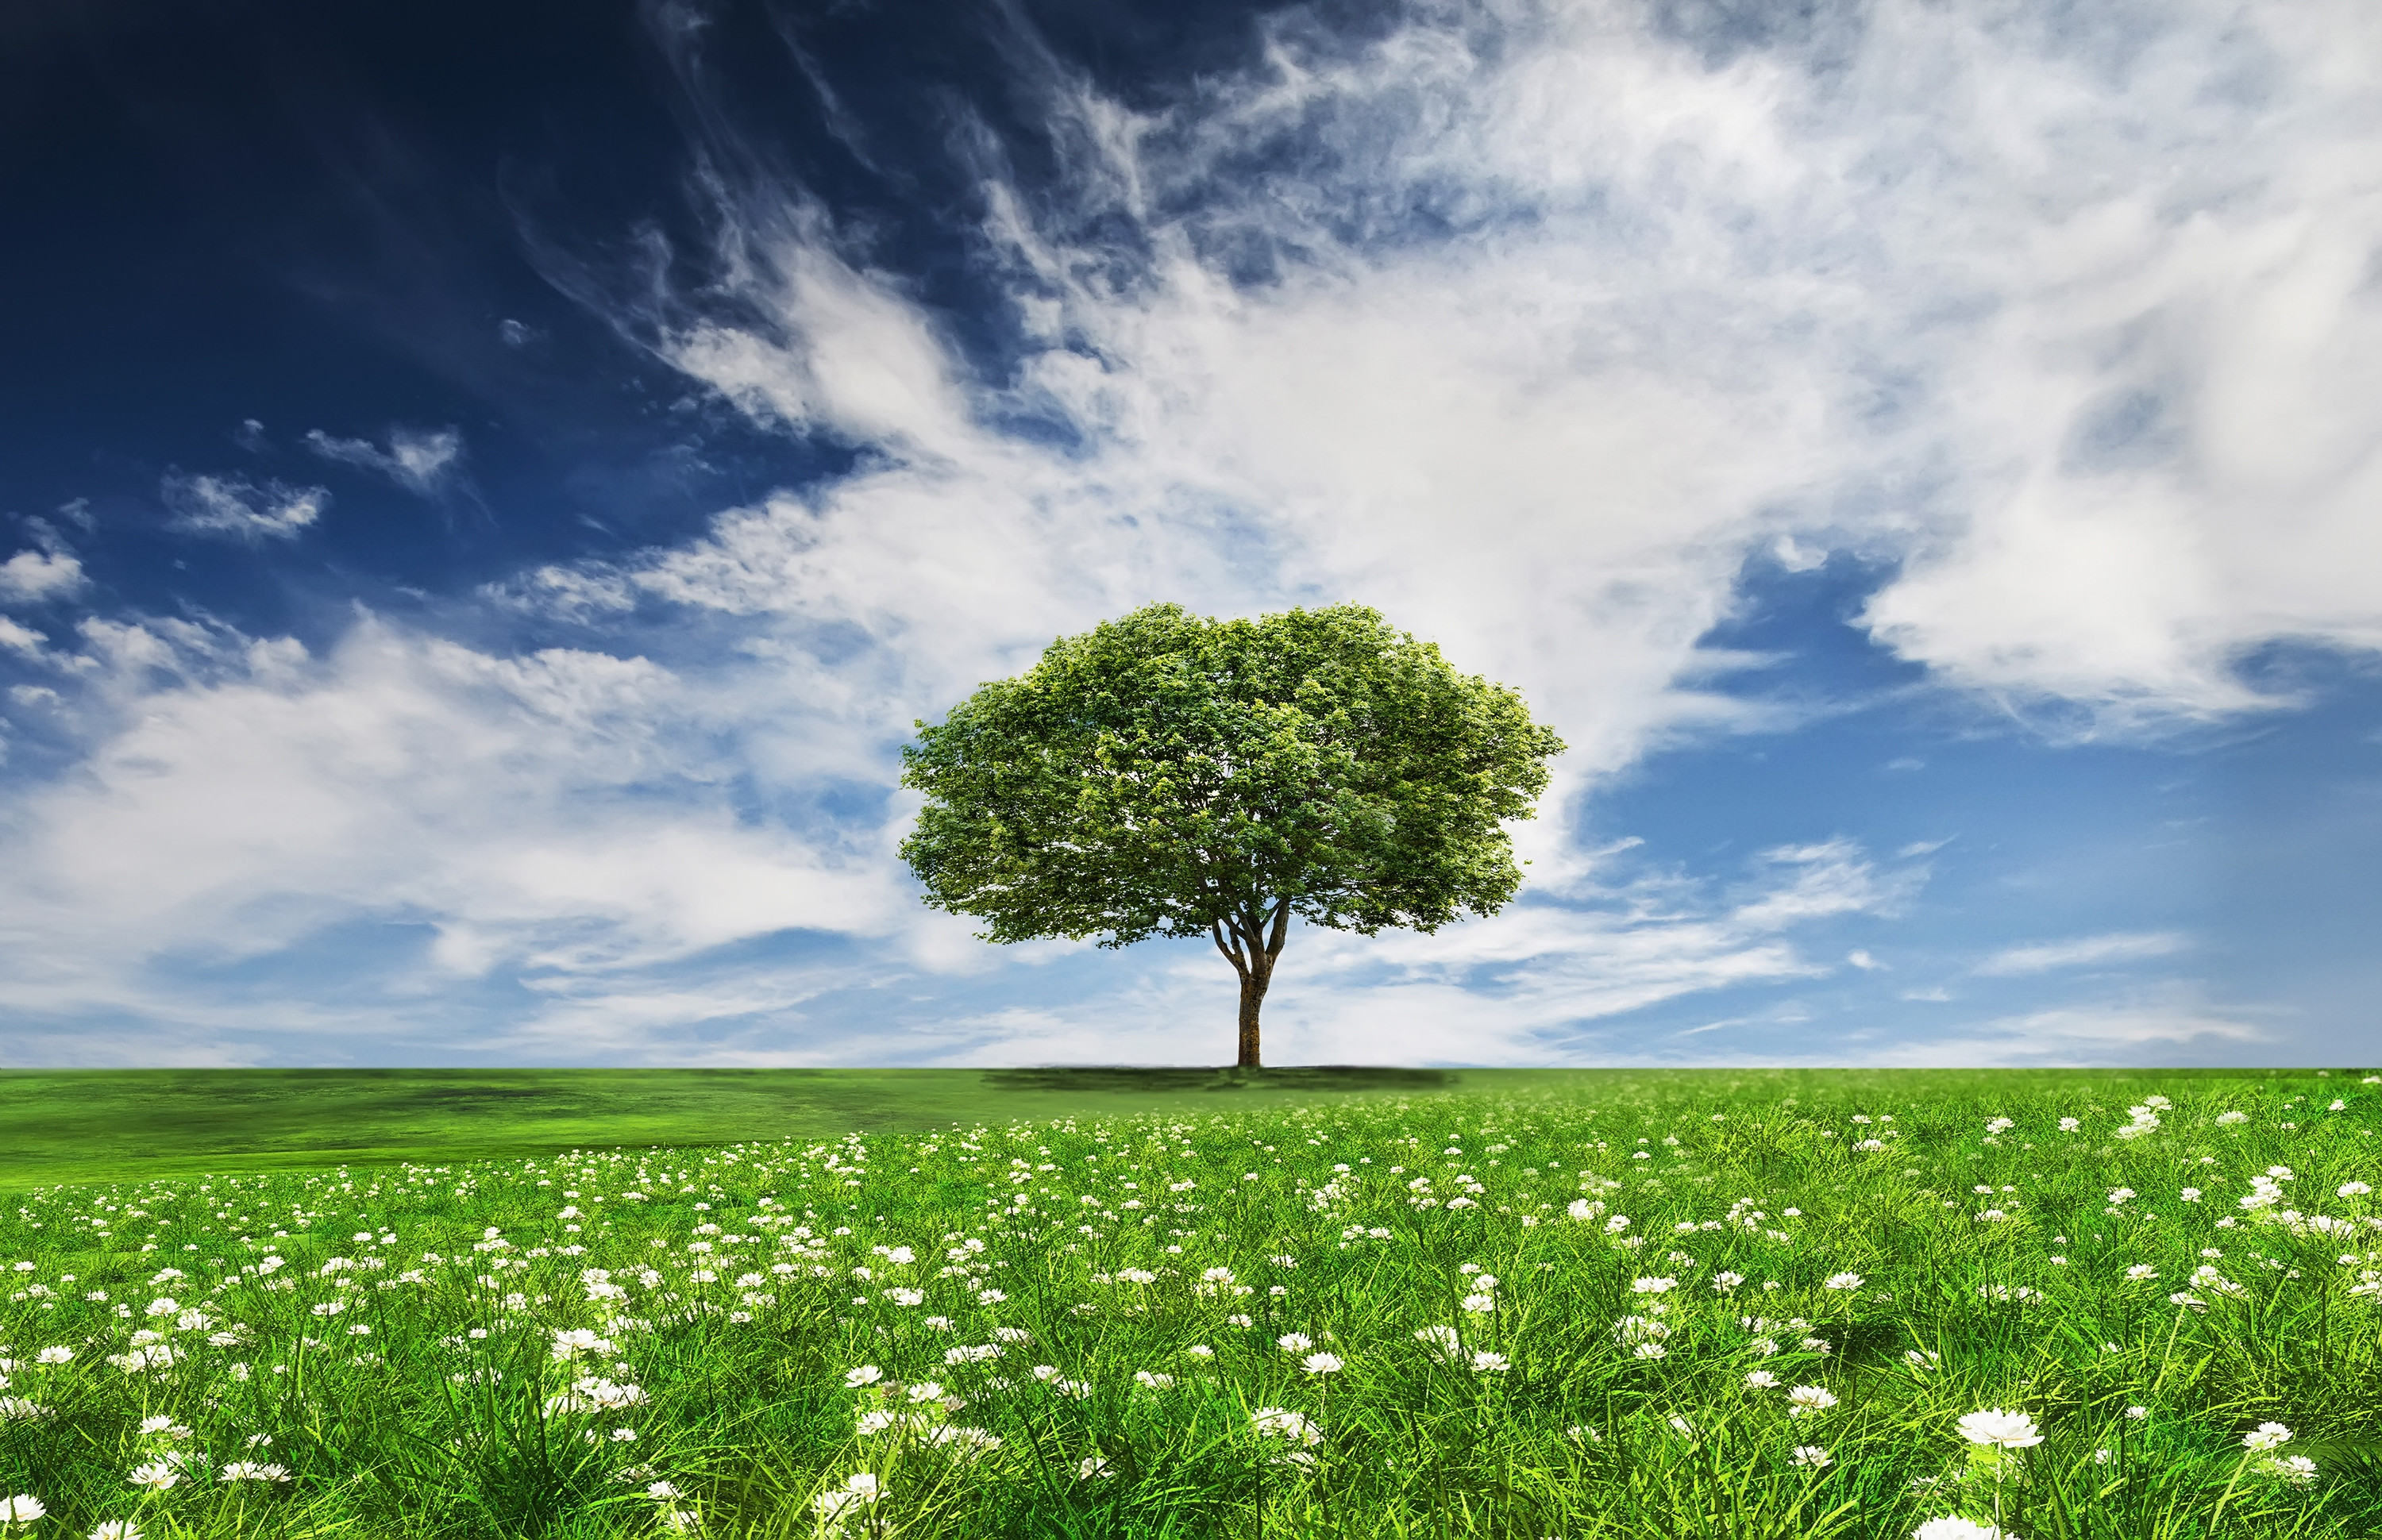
column 1672, row 1311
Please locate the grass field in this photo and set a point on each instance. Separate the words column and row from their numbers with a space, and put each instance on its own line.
column 1742, row 1305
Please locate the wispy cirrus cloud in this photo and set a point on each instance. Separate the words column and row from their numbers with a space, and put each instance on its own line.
column 423, row 461
column 2082, row 952
column 237, row 509
column 2171, row 1026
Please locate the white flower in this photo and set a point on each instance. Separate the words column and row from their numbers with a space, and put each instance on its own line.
column 1959, row 1529
column 859, row 1489
column 2297, row 1470
column 1272, row 1421
column 249, row 1469
column 1092, row 1468
column 2232, row 1118
column 2006, row 1430
column 2266, row 1435
column 1761, row 1379
column 2140, row 1273
column 116, row 1529
column 66, row 1355
column 2353, row 1189
column 157, row 1475
column 1843, row 1280
column 22, row 1508
column 1723, row 1282
column 1654, row 1286
column 1294, row 1342
column 1486, row 1362
column 1808, row 1399
column 1811, row 1455
column 867, row 1374
column 1321, row 1363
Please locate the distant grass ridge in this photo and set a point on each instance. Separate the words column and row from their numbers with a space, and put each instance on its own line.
column 1743, row 1304
column 100, row 1125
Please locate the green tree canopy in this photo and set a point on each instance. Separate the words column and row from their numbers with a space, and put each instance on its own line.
column 1169, row 774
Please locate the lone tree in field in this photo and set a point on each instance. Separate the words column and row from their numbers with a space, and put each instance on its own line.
column 1169, row 774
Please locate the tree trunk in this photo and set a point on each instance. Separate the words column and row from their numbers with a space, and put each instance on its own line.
column 1252, row 951
column 1253, row 991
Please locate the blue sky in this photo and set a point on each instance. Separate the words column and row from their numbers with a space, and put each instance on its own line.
column 487, row 494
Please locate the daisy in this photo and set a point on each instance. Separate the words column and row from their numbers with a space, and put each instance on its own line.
column 1812, row 1456
column 2000, row 1429
column 1809, row 1400
column 2266, row 1435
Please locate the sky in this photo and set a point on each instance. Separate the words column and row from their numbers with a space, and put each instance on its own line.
column 486, row 492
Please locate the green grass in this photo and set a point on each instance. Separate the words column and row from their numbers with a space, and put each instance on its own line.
column 98, row 1125
column 722, row 1291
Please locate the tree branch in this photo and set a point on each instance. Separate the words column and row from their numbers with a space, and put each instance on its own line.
column 1280, row 929
column 1232, row 953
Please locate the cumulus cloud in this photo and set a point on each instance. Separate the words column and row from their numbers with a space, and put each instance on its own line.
column 556, row 812
column 240, row 509
column 2082, row 952
column 35, row 575
column 419, row 460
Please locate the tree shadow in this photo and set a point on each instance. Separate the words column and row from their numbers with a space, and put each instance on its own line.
column 1137, row 1077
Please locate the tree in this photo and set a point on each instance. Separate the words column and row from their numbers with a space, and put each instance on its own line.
column 1170, row 775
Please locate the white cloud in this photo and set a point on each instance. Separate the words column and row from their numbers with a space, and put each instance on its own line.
column 19, row 639
column 2083, row 951
column 34, row 576
column 2168, row 1027
column 420, row 460
column 235, row 507
column 559, row 812
column 2165, row 425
